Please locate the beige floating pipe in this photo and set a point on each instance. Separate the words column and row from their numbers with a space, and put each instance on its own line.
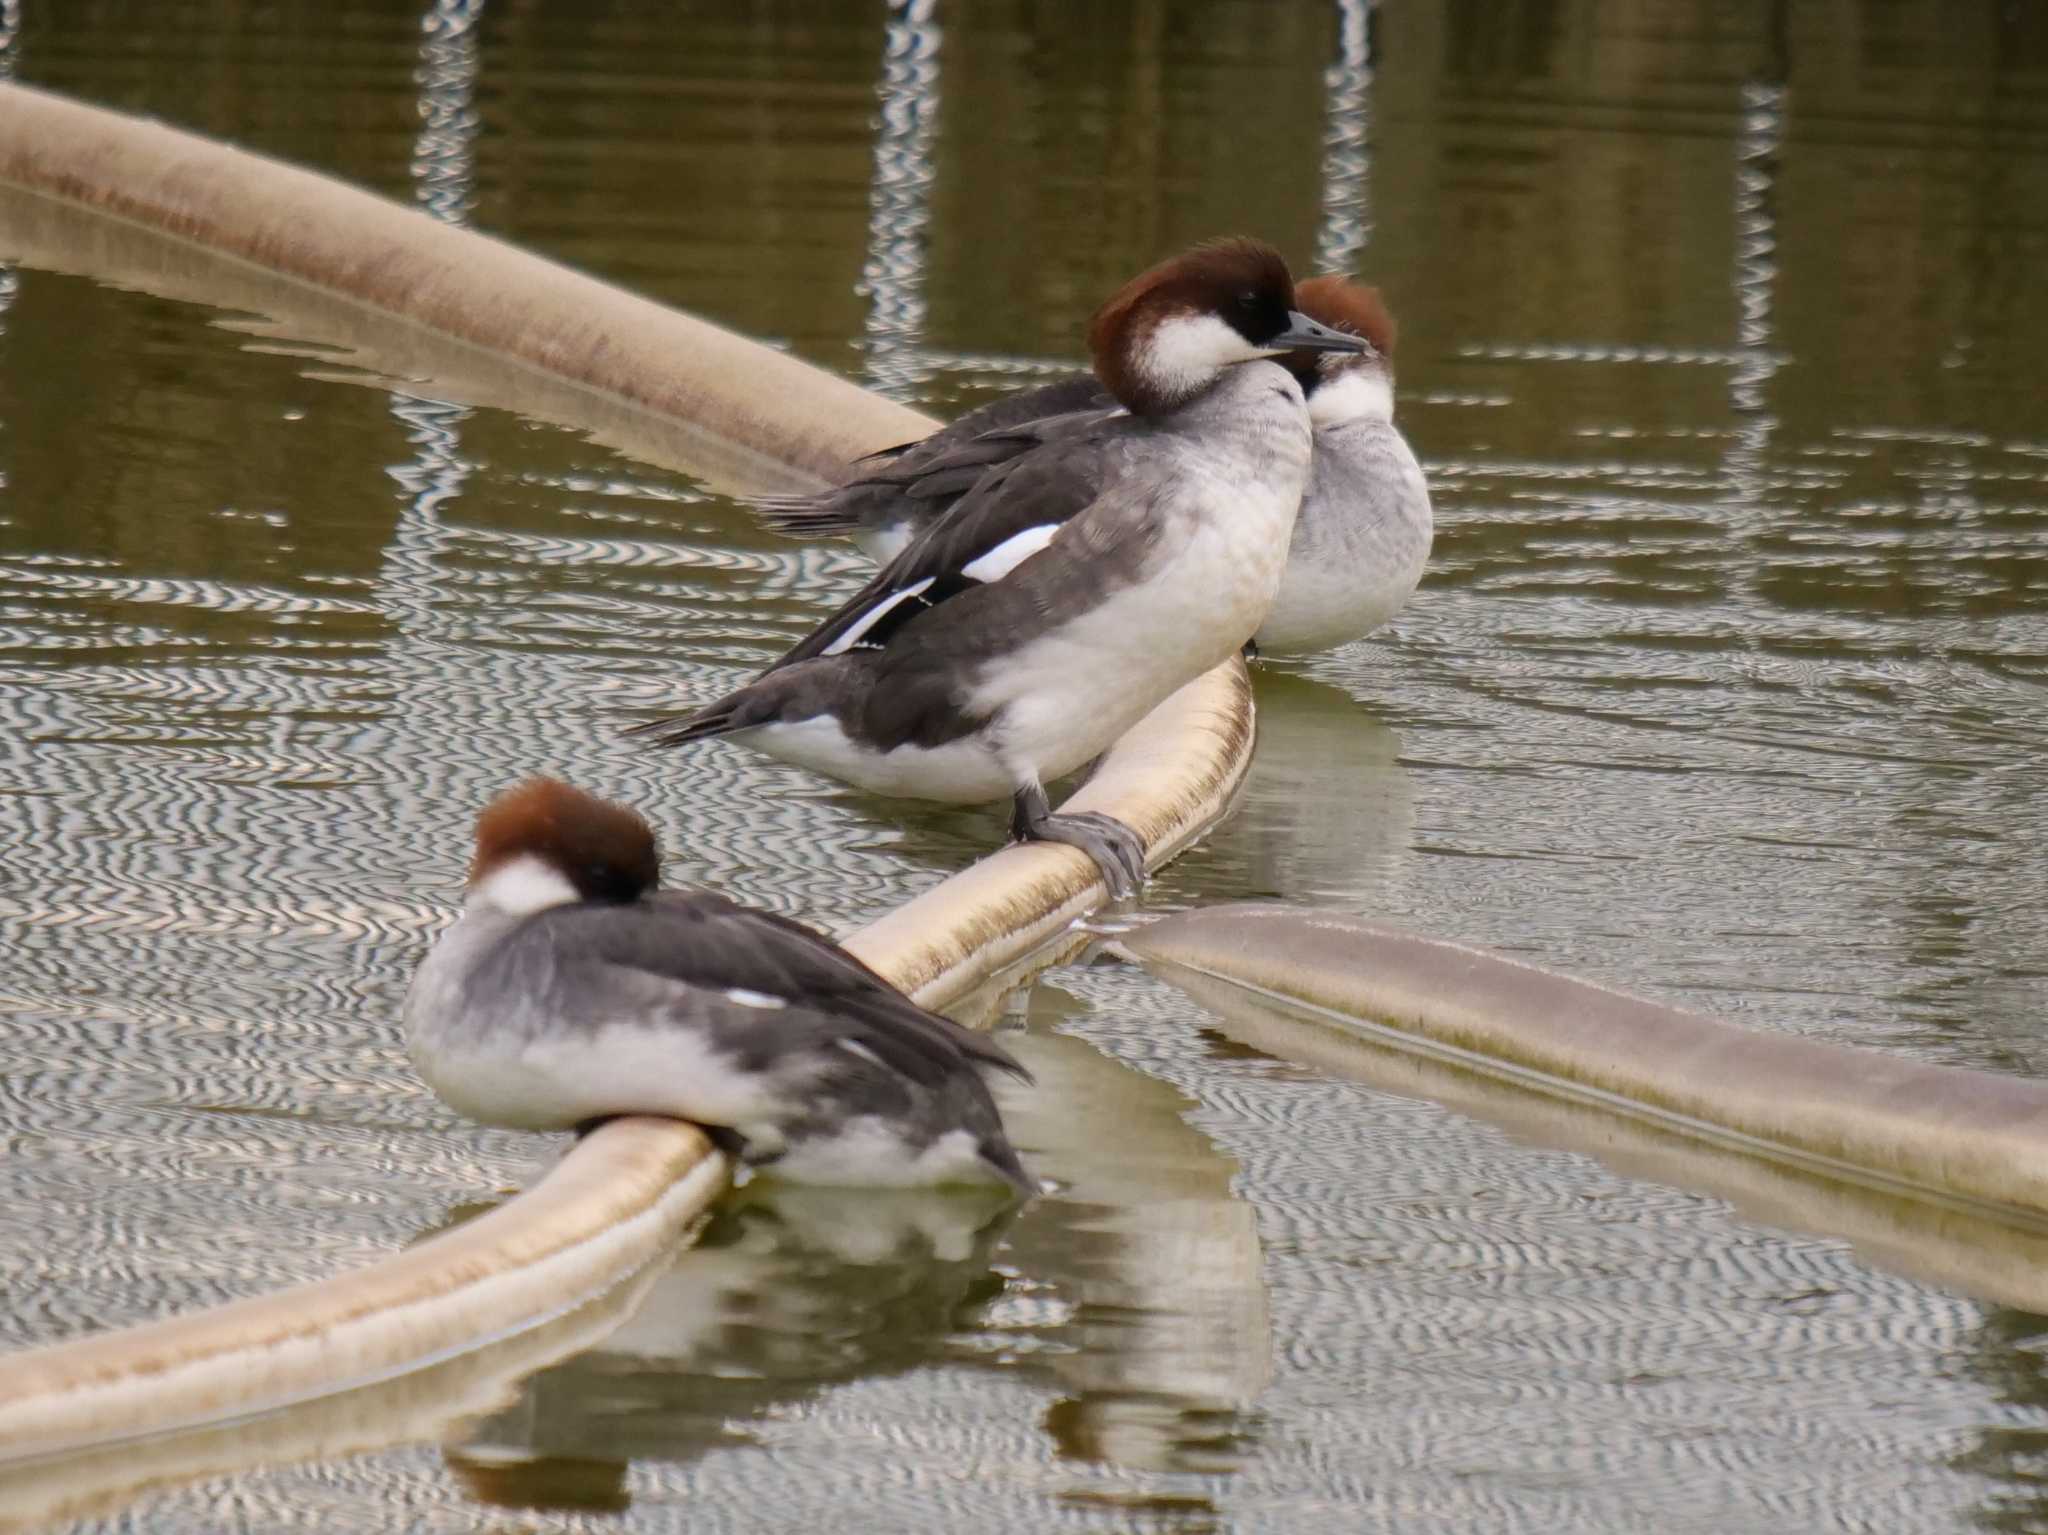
column 341, row 341
column 340, row 240
column 1968, row 1138
column 622, row 1196
column 214, row 1364
column 1987, row 1254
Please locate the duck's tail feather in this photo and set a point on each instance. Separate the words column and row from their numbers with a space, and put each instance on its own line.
column 806, row 517
column 988, row 1053
column 999, row 1154
column 721, row 718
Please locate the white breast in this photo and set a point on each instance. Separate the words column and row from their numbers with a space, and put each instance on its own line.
column 1228, row 498
column 1359, row 546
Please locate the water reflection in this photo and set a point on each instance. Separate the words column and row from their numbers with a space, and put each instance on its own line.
column 1756, row 271
column 893, row 274
column 1318, row 745
column 786, row 1293
column 1131, row 1295
column 2008, row 1353
column 10, row 283
column 1162, row 1338
column 1347, row 143
column 444, row 155
column 443, row 168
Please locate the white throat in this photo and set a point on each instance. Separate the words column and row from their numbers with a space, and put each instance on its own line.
column 1185, row 352
column 522, row 886
column 1356, row 394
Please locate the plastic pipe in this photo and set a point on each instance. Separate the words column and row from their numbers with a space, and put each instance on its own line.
column 1969, row 1138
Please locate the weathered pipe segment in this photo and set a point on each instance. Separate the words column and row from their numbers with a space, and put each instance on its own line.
column 1965, row 1137
column 624, row 1195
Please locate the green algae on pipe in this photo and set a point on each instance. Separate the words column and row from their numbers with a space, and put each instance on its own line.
column 1964, row 1136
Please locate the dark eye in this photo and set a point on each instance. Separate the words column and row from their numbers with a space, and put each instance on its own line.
column 1248, row 300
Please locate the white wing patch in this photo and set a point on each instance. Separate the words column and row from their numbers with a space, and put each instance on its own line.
column 855, row 1047
column 875, row 615
column 759, row 999
column 1010, row 553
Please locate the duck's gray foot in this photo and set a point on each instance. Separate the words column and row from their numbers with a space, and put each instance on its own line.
column 1251, row 648
column 1114, row 846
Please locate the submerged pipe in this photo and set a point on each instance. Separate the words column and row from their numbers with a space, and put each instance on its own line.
column 623, row 1195
column 1969, row 1138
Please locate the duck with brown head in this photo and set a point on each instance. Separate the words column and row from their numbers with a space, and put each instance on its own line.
column 571, row 989
column 1363, row 534
column 1078, row 583
column 1361, row 538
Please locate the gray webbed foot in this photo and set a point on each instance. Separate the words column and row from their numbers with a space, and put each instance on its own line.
column 1114, row 846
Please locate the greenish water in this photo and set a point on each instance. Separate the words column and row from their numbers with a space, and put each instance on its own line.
column 1722, row 340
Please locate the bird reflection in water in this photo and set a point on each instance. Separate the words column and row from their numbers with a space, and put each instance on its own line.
column 1132, row 1288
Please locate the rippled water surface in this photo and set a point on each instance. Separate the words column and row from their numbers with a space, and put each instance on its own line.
column 1722, row 342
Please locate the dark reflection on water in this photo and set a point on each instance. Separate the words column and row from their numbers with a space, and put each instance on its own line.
column 1722, row 330
column 1128, row 1301
column 2009, row 1357
column 786, row 1294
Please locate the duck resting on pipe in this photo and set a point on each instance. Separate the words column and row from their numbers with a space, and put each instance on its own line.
column 571, row 991
column 1078, row 584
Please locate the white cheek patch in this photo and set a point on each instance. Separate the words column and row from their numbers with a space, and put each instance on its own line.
column 1185, row 352
column 1356, row 394
column 523, row 886
column 875, row 615
column 1010, row 553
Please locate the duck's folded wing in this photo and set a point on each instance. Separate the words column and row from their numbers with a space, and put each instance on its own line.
column 1014, row 511
column 781, row 982
column 942, row 479
column 1066, row 395
column 914, row 481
